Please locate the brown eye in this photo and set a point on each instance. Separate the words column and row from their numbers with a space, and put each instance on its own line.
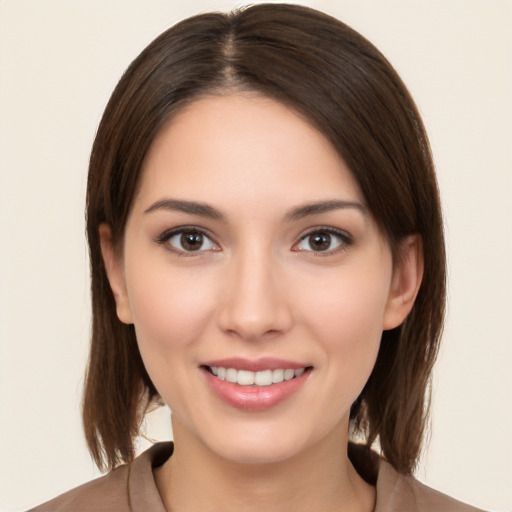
column 320, row 241
column 188, row 241
column 323, row 241
column 191, row 241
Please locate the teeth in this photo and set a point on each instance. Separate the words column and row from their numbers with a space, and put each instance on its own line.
column 261, row 378
column 277, row 376
column 289, row 374
column 231, row 375
column 245, row 378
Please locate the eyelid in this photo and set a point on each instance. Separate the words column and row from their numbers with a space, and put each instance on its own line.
column 346, row 240
column 164, row 237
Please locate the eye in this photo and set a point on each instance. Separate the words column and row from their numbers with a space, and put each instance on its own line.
column 322, row 240
column 188, row 240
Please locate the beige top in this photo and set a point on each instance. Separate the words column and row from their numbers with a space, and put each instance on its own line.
column 132, row 488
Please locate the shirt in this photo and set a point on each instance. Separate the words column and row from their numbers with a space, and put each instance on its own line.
column 132, row 487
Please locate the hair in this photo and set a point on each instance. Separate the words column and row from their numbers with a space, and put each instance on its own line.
column 343, row 86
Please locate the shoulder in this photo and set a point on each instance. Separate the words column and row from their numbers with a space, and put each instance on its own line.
column 105, row 493
column 396, row 492
column 119, row 490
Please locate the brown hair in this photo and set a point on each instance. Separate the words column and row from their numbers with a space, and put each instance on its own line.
column 344, row 86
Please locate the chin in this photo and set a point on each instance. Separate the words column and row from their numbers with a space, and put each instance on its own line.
column 257, row 444
column 252, row 453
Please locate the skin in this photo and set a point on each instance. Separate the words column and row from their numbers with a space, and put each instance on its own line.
column 257, row 287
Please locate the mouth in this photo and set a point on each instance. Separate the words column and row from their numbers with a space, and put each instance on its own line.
column 260, row 378
column 255, row 385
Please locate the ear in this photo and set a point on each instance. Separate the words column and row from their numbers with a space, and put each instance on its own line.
column 115, row 273
column 405, row 283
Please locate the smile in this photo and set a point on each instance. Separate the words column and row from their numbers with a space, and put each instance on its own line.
column 259, row 378
column 255, row 385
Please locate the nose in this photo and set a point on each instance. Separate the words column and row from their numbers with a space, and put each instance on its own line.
column 254, row 302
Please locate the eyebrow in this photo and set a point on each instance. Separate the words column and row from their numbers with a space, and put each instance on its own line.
column 300, row 212
column 191, row 207
column 325, row 206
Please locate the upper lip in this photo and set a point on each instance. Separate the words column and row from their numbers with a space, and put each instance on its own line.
column 255, row 365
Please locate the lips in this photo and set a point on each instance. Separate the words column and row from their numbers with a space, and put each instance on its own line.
column 255, row 385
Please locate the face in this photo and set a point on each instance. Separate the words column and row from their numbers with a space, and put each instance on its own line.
column 256, row 278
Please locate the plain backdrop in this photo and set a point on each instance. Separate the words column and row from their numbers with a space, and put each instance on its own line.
column 59, row 61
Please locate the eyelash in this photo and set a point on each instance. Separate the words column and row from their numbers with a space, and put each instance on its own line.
column 344, row 241
column 166, row 236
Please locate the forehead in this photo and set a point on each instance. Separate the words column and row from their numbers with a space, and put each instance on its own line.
column 246, row 147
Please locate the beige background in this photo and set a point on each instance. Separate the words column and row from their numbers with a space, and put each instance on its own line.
column 59, row 61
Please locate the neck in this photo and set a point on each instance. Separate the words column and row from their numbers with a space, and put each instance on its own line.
column 196, row 479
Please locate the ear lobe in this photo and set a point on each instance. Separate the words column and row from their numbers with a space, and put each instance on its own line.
column 115, row 274
column 406, row 281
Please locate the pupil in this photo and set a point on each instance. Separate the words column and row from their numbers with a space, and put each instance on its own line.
column 191, row 241
column 320, row 241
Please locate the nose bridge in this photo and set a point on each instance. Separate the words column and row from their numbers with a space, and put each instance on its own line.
column 255, row 296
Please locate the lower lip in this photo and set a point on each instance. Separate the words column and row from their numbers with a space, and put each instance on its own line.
column 255, row 398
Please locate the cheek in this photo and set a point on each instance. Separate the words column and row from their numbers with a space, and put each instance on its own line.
column 170, row 310
column 345, row 316
column 348, row 307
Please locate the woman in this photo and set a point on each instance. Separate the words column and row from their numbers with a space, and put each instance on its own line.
column 268, row 259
